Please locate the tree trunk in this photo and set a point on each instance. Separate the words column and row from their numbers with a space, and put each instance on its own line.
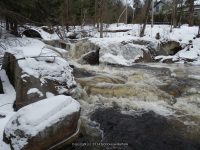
column 7, row 24
column 191, row 13
column 126, row 19
column 101, row 18
column 14, row 29
column 174, row 16
column 67, row 15
column 181, row 14
column 152, row 14
column 95, row 11
column 145, row 16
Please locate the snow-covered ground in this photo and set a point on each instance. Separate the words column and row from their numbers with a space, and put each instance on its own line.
column 6, row 106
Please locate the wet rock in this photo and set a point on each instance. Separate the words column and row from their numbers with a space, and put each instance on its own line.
column 23, row 81
column 82, row 73
column 1, row 87
column 173, row 89
column 143, row 131
column 147, row 57
column 34, row 127
column 169, row 48
column 91, row 58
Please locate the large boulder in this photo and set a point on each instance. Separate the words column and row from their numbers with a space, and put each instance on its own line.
column 34, row 77
column 44, row 124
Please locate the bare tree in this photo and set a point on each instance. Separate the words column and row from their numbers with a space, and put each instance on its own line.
column 96, row 17
column 181, row 13
column 146, row 9
column 102, row 5
column 191, row 12
column 152, row 14
column 174, row 13
column 126, row 19
column 65, row 15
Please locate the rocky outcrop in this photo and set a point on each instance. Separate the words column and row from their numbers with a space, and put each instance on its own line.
column 33, row 81
column 35, row 128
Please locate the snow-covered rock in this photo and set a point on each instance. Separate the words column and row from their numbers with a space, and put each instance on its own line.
column 39, row 32
column 36, row 67
column 43, row 124
column 119, row 51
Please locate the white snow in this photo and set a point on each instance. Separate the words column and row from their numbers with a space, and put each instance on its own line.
column 49, row 94
column 112, row 59
column 6, row 102
column 7, row 99
column 35, row 90
column 37, row 116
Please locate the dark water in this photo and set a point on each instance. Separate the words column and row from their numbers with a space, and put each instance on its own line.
column 144, row 131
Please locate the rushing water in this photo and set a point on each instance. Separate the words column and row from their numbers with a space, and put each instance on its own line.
column 143, row 107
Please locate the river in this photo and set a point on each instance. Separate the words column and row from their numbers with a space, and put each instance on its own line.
column 141, row 107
